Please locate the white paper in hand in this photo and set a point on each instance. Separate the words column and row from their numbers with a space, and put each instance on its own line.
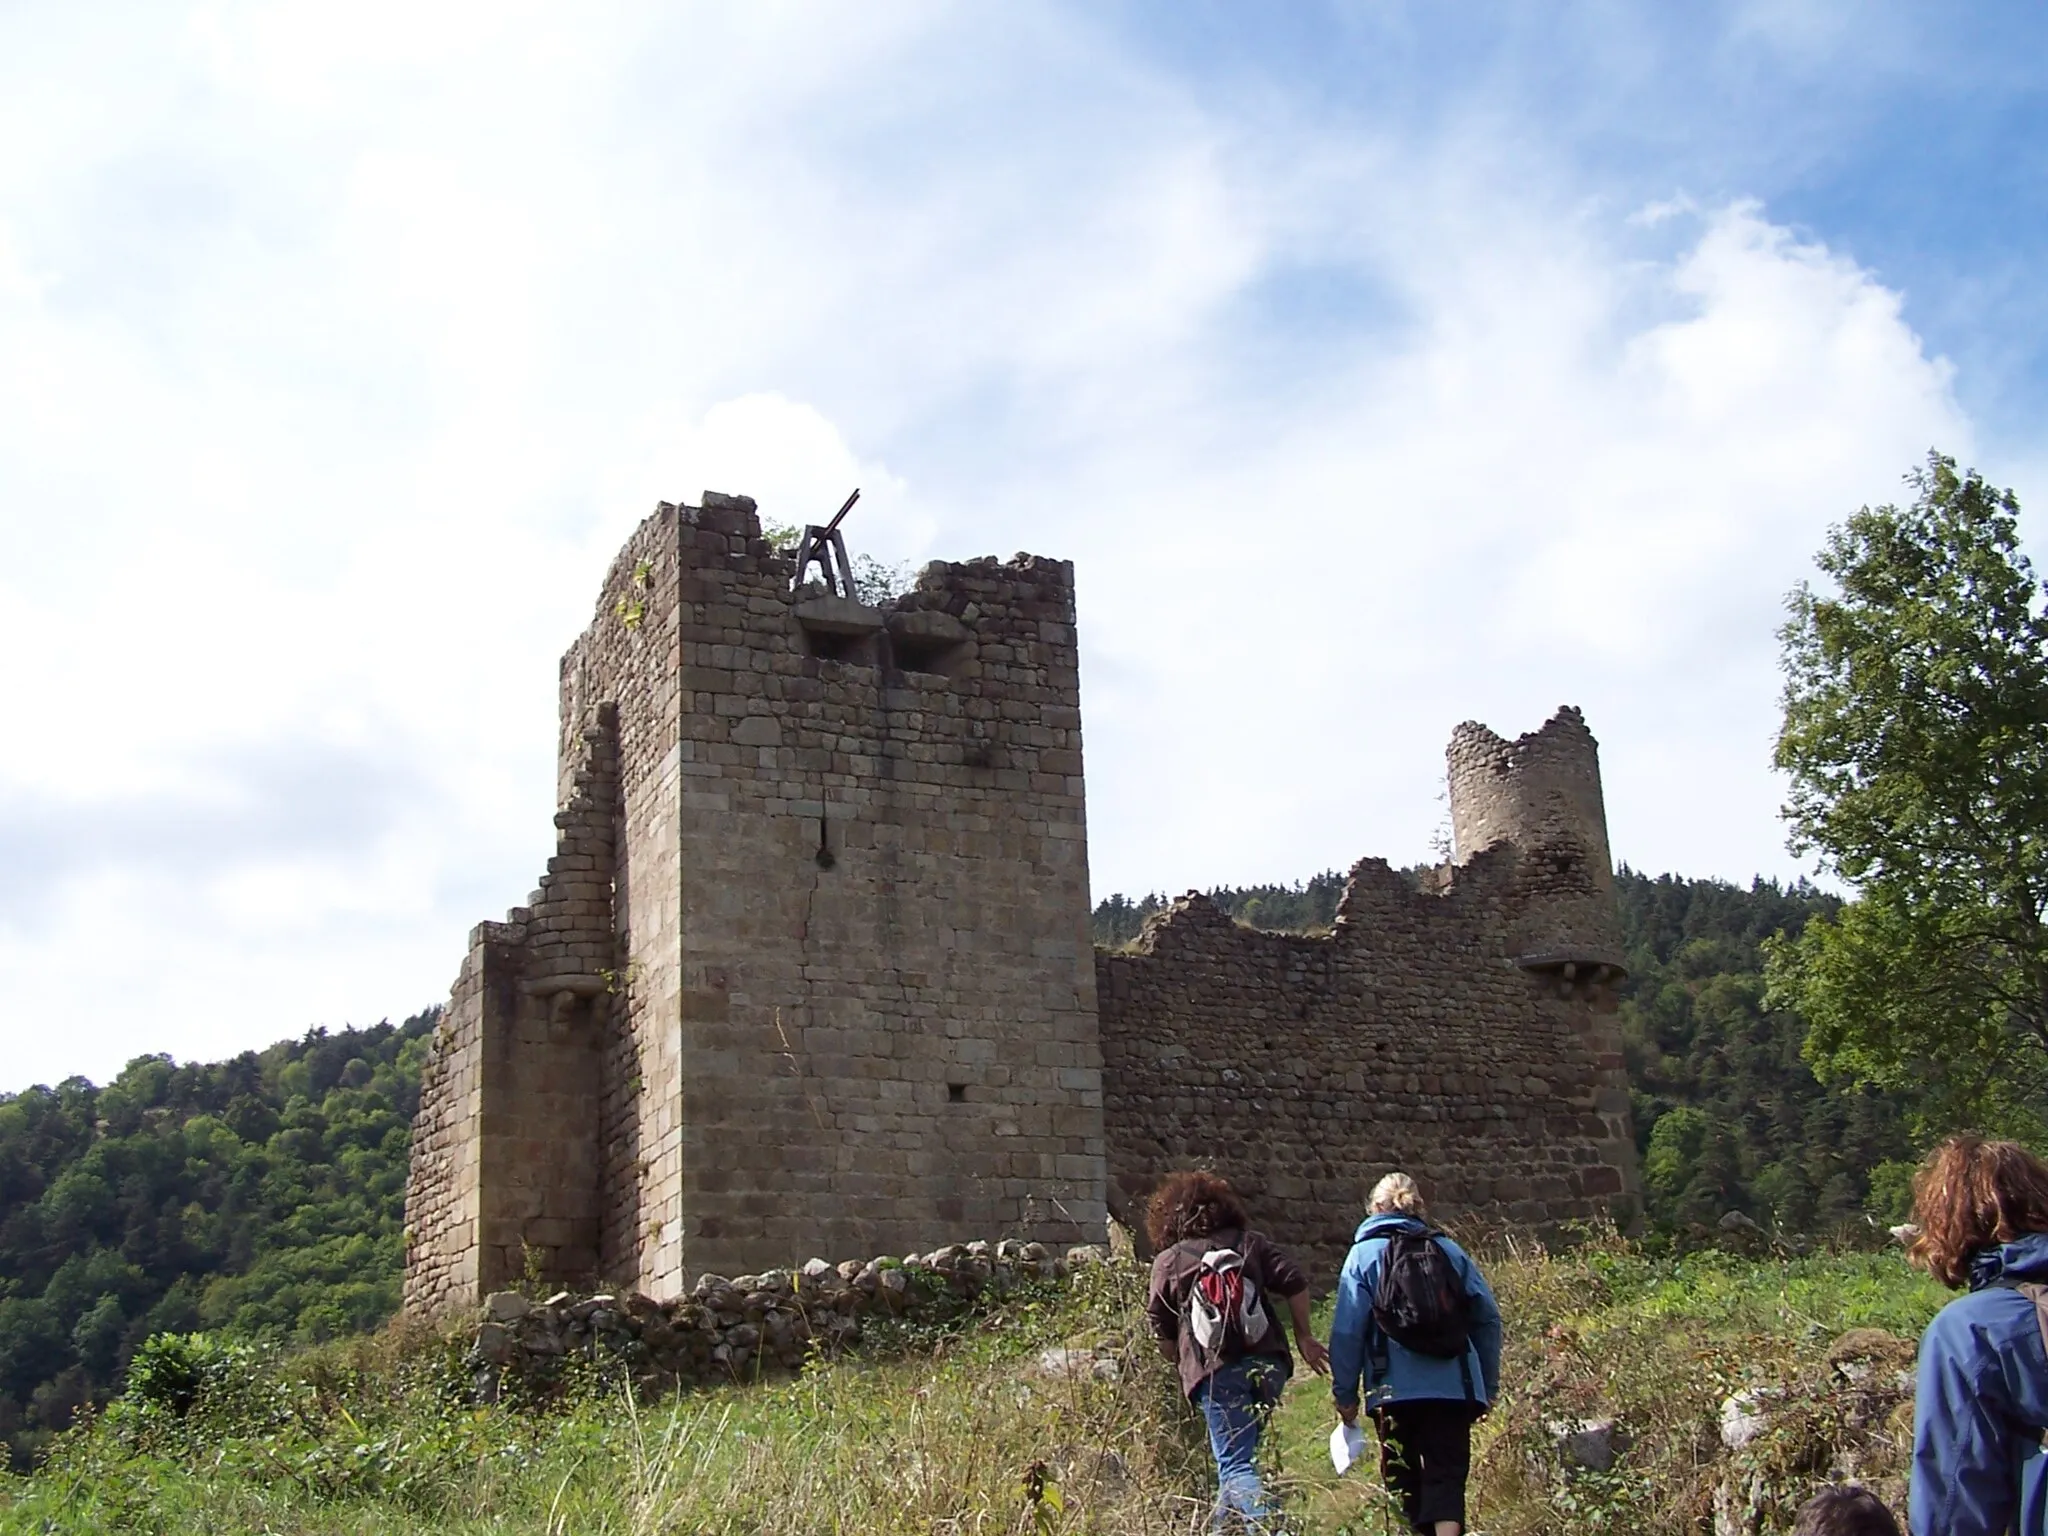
column 1347, row 1444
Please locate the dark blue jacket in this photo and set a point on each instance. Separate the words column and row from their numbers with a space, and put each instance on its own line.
column 1981, row 1404
column 1391, row 1372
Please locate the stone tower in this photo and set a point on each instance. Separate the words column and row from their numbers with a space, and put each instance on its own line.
column 810, row 972
column 1540, row 795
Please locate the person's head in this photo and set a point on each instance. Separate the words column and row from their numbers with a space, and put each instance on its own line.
column 1972, row 1194
column 1192, row 1204
column 1396, row 1195
column 1845, row 1512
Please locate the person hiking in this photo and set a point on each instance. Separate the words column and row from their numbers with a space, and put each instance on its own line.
column 1981, row 1402
column 1210, row 1306
column 1418, row 1329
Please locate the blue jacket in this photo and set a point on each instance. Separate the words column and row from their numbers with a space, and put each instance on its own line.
column 1981, row 1403
column 1391, row 1372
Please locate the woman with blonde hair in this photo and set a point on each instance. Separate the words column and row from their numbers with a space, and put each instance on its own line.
column 1418, row 1330
column 1982, row 1400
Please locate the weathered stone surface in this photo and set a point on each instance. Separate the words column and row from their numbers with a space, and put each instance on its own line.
column 929, row 624
column 1069, row 1362
column 755, row 1323
column 1417, row 1034
column 1846, row 1419
column 1743, row 1418
column 838, row 616
column 810, row 969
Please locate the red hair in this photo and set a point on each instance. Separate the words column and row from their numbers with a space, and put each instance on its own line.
column 1972, row 1194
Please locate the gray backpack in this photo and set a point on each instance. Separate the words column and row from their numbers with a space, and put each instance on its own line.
column 2037, row 1293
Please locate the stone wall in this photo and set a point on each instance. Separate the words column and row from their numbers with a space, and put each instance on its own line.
column 888, row 1029
column 441, row 1198
column 850, row 1000
column 504, row 1172
column 1421, row 1033
column 726, row 1329
column 1540, row 794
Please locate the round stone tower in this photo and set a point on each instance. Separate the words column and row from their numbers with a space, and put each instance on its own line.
column 1541, row 795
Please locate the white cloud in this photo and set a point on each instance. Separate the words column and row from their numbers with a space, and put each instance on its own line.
column 335, row 361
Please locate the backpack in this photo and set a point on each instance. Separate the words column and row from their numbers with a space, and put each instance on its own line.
column 2037, row 1293
column 2034, row 1292
column 1420, row 1301
column 1226, row 1315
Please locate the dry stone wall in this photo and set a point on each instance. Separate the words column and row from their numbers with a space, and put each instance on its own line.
column 727, row 1329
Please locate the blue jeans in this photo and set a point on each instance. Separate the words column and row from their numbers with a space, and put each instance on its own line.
column 1237, row 1400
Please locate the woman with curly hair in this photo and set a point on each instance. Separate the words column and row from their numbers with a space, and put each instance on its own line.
column 1200, row 1231
column 1982, row 1400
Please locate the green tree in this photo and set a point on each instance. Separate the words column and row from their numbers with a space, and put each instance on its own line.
column 1915, row 738
column 262, row 1195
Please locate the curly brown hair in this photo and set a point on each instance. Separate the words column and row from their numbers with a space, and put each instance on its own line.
column 1973, row 1194
column 1192, row 1204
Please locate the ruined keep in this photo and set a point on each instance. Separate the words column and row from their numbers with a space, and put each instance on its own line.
column 1461, row 1027
column 810, row 970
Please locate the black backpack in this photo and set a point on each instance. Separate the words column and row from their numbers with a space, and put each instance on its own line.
column 1420, row 1302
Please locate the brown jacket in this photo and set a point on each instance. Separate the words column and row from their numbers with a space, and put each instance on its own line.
column 1173, row 1272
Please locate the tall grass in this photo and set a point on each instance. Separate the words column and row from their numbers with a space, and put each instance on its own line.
column 964, row 1430
column 967, row 1432
column 1605, row 1332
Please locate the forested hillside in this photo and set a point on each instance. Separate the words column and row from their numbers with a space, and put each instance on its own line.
column 263, row 1194
column 1728, row 1115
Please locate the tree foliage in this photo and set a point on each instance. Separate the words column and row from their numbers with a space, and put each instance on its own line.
column 262, row 1195
column 1915, row 738
column 1729, row 1115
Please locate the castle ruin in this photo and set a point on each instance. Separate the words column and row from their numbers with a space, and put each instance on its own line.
column 810, row 971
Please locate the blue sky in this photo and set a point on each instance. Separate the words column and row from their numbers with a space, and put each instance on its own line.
column 1379, row 365
column 1915, row 138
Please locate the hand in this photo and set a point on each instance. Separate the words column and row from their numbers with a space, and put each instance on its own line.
column 1318, row 1358
column 1348, row 1415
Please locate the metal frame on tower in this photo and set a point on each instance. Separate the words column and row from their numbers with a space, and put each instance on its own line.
column 823, row 544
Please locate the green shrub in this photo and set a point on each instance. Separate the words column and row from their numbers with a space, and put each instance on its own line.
column 172, row 1371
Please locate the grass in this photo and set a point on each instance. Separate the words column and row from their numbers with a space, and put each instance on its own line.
column 961, row 1430
column 1657, row 1345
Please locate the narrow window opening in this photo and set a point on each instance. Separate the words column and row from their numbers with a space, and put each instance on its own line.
column 831, row 645
column 930, row 654
column 956, row 1093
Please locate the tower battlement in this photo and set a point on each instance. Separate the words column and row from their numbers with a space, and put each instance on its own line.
column 1540, row 795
